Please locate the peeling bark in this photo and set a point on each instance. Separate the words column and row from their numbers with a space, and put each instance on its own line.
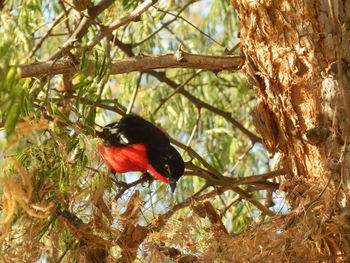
column 297, row 59
column 289, row 46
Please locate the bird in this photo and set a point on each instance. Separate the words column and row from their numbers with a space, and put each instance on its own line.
column 134, row 144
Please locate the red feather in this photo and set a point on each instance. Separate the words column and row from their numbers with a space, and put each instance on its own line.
column 131, row 158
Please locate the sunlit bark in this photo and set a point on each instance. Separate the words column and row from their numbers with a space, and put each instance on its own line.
column 296, row 58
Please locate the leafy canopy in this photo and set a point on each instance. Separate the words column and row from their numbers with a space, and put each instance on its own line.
column 49, row 160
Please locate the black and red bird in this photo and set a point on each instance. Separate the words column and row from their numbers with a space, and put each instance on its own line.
column 134, row 144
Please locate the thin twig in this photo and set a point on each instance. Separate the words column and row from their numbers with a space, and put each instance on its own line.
column 307, row 206
column 66, row 15
column 240, row 158
column 232, row 50
column 234, row 200
column 39, row 88
column 201, row 190
column 133, row 16
column 199, row 103
column 81, row 29
column 177, row 38
column 195, row 127
column 83, row 14
column 163, row 101
column 118, row 108
column 194, row 154
column 124, row 187
column 163, row 26
column 134, row 94
column 188, row 22
column 253, row 201
column 42, row 39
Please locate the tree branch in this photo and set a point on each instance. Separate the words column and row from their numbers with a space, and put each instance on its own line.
column 164, row 25
column 265, row 210
column 161, row 76
column 162, row 219
column 164, row 100
column 220, row 180
column 133, row 16
column 192, row 25
column 201, row 104
column 139, row 63
column 48, row 32
column 82, row 28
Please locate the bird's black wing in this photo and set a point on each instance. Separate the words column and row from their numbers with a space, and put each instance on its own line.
column 132, row 129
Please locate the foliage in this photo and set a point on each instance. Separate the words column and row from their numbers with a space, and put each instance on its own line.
column 57, row 195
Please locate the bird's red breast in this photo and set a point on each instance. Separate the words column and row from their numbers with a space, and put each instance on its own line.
column 131, row 158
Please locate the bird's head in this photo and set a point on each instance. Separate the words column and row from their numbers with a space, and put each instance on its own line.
column 168, row 162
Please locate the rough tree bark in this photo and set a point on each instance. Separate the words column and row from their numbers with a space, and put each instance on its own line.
column 297, row 56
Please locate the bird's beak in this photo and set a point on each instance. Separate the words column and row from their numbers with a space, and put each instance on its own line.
column 172, row 183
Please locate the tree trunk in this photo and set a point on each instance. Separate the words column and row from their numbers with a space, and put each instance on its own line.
column 297, row 56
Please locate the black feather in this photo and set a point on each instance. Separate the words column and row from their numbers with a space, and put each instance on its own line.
column 132, row 129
